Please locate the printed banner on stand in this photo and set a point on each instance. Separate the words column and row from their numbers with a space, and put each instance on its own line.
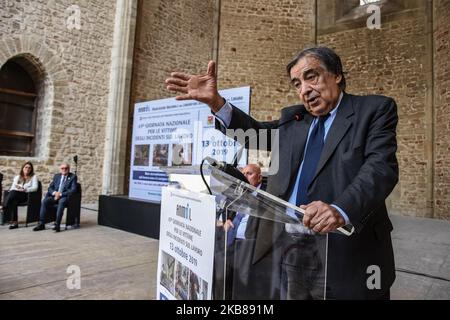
column 171, row 133
column 186, row 245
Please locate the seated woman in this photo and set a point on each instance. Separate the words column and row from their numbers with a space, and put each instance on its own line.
column 23, row 184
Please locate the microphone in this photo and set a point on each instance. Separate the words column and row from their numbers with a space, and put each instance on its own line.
column 231, row 169
column 227, row 168
column 299, row 115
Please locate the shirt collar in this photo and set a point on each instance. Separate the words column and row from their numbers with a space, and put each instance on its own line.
column 333, row 112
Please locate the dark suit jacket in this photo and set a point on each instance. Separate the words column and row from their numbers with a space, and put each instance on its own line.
column 357, row 171
column 70, row 185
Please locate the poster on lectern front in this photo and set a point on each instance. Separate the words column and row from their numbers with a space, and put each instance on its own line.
column 171, row 133
column 186, row 245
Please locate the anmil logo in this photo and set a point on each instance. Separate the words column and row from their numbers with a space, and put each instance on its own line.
column 184, row 212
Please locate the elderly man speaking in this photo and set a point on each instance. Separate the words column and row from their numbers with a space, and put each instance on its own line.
column 339, row 164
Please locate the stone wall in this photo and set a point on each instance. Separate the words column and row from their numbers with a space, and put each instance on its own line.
column 396, row 61
column 171, row 35
column 258, row 38
column 442, row 108
column 73, row 70
column 407, row 59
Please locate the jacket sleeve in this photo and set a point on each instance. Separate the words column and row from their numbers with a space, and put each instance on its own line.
column 249, row 128
column 15, row 181
column 34, row 185
column 378, row 175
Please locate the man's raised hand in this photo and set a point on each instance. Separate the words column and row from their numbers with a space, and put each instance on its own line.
column 201, row 87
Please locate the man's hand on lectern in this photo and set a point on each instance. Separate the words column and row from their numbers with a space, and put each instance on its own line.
column 201, row 87
column 228, row 225
column 322, row 217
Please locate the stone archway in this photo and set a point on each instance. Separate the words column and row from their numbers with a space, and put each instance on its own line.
column 47, row 70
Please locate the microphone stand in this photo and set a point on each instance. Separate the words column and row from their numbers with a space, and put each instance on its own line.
column 231, row 169
column 75, row 159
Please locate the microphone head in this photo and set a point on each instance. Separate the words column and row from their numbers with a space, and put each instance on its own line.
column 294, row 110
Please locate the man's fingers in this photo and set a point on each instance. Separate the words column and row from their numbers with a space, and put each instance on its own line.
column 184, row 97
column 315, row 220
column 228, row 225
column 328, row 225
column 306, row 220
column 308, row 216
column 327, row 228
column 173, row 87
column 323, row 225
column 176, row 82
column 309, row 204
column 211, row 69
column 180, row 75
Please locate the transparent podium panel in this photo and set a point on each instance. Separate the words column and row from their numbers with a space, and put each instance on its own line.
column 262, row 249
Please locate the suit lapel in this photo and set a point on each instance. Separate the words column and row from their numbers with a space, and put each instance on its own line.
column 338, row 129
column 66, row 181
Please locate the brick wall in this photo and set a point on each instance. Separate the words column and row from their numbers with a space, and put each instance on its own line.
column 396, row 61
column 75, row 67
column 171, row 35
column 257, row 40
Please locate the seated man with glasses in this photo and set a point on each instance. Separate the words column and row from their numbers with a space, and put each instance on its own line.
column 62, row 186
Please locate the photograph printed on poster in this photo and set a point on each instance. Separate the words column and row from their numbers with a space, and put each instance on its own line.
column 142, row 155
column 182, row 154
column 167, row 278
column 160, row 155
column 198, row 288
column 181, row 281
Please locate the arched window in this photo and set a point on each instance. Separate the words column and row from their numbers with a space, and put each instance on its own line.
column 18, row 95
column 337, row 15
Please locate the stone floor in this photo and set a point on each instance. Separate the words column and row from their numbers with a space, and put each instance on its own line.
column 118, row 265
column 114, row 264
column 421, row 246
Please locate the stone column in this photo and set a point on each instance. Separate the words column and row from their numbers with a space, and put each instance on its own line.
column 119, row 97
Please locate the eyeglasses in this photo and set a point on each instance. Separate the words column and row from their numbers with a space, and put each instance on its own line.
column 64, row 168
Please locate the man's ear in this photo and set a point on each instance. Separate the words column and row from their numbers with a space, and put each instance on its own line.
column 338, row 78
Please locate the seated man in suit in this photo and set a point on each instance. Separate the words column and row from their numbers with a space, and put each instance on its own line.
column 62, row 186
column 236, row 227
